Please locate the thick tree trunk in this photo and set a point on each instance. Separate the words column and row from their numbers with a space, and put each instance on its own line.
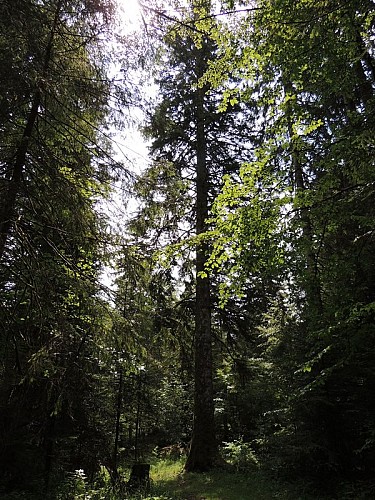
column 203, row 453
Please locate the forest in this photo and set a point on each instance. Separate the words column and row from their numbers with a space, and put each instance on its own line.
column 200, row 326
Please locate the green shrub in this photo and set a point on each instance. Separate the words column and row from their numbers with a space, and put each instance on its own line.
column 241, row 455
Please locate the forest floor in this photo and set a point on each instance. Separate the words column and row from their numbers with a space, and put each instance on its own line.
column 168, row 482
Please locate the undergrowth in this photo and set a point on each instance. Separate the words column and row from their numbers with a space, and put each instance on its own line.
column 169, row 482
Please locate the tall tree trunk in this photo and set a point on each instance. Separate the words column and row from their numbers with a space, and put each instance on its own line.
column 8, row 204
column 203, row 451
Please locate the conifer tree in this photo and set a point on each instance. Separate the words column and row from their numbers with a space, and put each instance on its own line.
column 194, row 145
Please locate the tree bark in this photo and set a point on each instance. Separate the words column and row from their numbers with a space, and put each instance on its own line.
column 203, row 453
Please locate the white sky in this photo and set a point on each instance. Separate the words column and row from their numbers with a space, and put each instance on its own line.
column 130, row 12
column 128, row 145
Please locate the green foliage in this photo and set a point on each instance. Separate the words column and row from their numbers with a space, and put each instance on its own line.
column 54, row 167
column 240, row 455
column 294, row 217
column 288, row 101
column 74, row 486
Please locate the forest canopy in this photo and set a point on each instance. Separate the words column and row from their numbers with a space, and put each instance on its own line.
column 238, row 331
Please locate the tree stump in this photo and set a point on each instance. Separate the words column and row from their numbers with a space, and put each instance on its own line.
column 139, row 477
